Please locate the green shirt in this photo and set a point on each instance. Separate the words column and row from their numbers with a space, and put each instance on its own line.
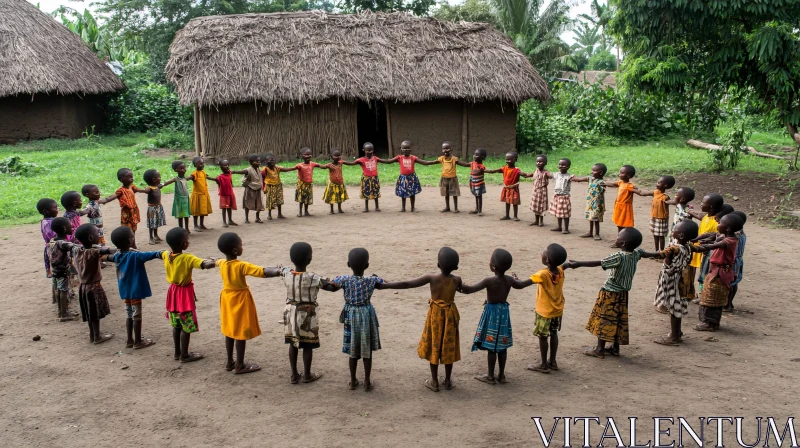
column 620, row 266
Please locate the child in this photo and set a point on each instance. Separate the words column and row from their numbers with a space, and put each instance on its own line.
column 541, row 178
column 304, row 190
column 609, row 318
column 253, row 183
column 595, row 199
column 133, row 284
column 477, row 185
column 91, row 296
column 623, row 206
column 710, row 207
column 681, row 201
column 669, row 293
column 561, row 207
column 659, row 212
column 181, row 208
column 129, row 210
column 510, row 193
column 273, row 188
column 361, row 335
column 227, row 198
column 494, row 328
column 716, row 291
column 48, row 208
column 724, row 210
column 58, row 252
column 335, row 191
column 155, row 211
column 71, row 201
column 370, row 184
column 738, row 265
column 440, row 342
column 92, row 209
column 408, row 185
column 448, row 183
column 237, row 313
column 181, row 309
column 549, row 306
column 200, row 201
column 301, row 329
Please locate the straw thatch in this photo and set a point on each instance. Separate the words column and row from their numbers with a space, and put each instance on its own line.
column 312, row 56
column 39, row 55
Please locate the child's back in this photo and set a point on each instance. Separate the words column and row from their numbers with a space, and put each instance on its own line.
column 300, row 314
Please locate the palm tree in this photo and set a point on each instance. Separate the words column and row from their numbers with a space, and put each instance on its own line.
column 587, row 38
column 601, row 16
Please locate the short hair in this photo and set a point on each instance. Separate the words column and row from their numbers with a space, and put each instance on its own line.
column 734, row 222
column 227, row 242
column 689, row 228
column 175, row 237
column 742, row 215
column 304, row 150
column 45, row 203
column 68, row 198
column 121, row 172
column 602, row 167
column 726, row 209
column 335, row 150
column 502, row 260
column 367, row 144
column 196, row 159
column 177, row 164
column 358, row 258
column 223, row 161
column 447, row 142
column 121, row 236
column 482, row 152
column 669, row 180
column 630, row 170
column 631, row 237
column 267, row 156
column 59, row 225
column 542, row 156
column 715, row 200
column 82, row 233
column 688, row 193
column 252, row 158
column 300, row 253
column 556, row 254
column 564, row 159
column 87, row 188
column 513, row 154
column 448, row 259
column 149, row 176
column 405, row 142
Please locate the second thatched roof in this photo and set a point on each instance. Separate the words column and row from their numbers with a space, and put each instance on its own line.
column 312, row 56
column 39, row 55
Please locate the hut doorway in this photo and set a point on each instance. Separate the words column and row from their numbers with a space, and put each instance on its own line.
column 372, row 127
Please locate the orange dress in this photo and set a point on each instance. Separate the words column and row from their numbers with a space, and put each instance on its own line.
column 623, row 206
column 440, row 343
column 129, row 210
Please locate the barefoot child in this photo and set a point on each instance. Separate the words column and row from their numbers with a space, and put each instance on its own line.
column 71, row 201
column 595, row 199
column 738, row 265
column 710, row 207
column 549, row 306
column 448, row 183
column 408, row 185
column 91, row 296
column 58, row 252
column 510, row 193
column 273, row 188
column 48, row 208
column 200, row 201
column 155, row 211
column 361, row 335
column 253, row 183
column 335, row 191
column 181, row 308
column 304, row 190
column 561, row 207
column 92, row 209
column 133, row 283
column 659, row 212
column 129, row 210
column 477, row 184
column 494, row 328
column 670, row 296
column 609, row 318
column 724, row 210
column 623, row 206
column 681, row 201
column 541, row 178
column 180, row 201
column 370, row 184
column 227, row 198
column 237, row 309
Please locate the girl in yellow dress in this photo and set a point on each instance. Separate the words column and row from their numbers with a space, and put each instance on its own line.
column 237, row 310
column 200, row 201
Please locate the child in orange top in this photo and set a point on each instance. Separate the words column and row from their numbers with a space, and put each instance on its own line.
column 549, row 305
column 448, row 183
column 623, row 206
column 304, row 191
column 511, row 175
column 335, row 191
column 129, row 210
column 659, row 213
column 199, row 200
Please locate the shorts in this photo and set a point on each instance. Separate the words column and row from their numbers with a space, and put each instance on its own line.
column 61, row 283
column 187, row 321
column 477, row 190
column 659, row 226
column 546, row 327
column 448, row 186
column 133, row 308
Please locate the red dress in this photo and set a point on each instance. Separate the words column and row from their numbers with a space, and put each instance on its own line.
column 227, row 198
column 510, row 194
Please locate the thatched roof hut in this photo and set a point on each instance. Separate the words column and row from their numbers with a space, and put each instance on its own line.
column 46, row 74
column 605, row 79
column 276, row 82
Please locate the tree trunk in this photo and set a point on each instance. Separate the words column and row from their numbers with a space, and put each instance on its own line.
column 712, row 147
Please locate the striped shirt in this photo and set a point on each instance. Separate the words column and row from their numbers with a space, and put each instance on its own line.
column 620, row 266
column 301, row 287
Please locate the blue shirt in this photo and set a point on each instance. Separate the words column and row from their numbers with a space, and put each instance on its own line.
column 131, row 274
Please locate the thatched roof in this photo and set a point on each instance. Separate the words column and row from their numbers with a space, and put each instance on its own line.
column 311, row 56
column 39, row 55
column 606, row 79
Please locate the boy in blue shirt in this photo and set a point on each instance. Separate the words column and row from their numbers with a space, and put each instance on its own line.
column 132, row 281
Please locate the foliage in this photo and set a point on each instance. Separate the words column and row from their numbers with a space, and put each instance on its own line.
column 416, row 7
column 602, row 60
column 14, row 166
column 173, row 139
column 733, row 144
column 469, row 11
column 587, row 42
column 541, row 129
column 102, row 43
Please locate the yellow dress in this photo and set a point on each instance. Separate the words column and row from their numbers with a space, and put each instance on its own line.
column 237, row 310
column 440, row 342
column 200, row 201
column 707, row 224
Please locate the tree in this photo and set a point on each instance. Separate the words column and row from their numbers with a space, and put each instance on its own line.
column 711, row 46
column 602, row 60
column 601, row 16
column 587, row 41
column 416, row 7
column 96, row 37
column 469, row 11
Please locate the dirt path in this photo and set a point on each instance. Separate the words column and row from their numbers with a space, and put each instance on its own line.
column 63, row 391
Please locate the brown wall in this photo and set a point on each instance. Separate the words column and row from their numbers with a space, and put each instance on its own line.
column 45, row 116
column 492, row 127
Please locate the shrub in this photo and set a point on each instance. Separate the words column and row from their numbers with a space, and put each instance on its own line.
column 14, row 166
column 173, row 139
column 602, row 60
column 733, row 144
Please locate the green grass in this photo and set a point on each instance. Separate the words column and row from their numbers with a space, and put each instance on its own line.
column 71, row 164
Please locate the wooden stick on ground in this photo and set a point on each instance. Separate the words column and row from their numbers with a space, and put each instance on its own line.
column 750, row 150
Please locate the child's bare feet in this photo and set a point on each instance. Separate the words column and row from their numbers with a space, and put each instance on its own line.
column 565, row 232
column 299, row 215
column 225, row 225
column 351, row 385
column 541, row 368
column 377, row 209
column 587, row 235
column 331, row 212
column 553, row 365
column 533, row 224
column 247, row 221
column 590, row 351
column 246, row 367
column 205, row 228
column 193, row 356
column 704, row 327
column 448, row 385
column 667, row 341
column 485, row 378
column 480, row 214
column 294, row 379
column 501, row 379
column 432, row 385
column 158, row 239
column 199, row 230
column 445, row 210
column 152, row 241
column 313, row 377
column 229, row 366
column 103, row 338
column 230, row 222
column 455, row 210
column 505, row 218
column 366, row 210
column 368, row 385
column 556, row 229
column 341, row 211
column 516, row 219
column 473, row 212
column 259, row 221
column 280, row 216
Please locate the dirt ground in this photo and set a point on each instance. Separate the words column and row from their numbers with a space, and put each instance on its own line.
column 62, row 391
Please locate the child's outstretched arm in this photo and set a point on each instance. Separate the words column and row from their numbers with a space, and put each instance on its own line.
column 286, row 170
column 499, row 170
column 643, row 192
column 113, row 197
column 272, row 272
column 462, row 163
column 171, row 181
column 407, row 284
column 428, row 162
column 695, row 214
column 209, row 264
column 233, row 172
column 469, row 289
column 646, row 254
column 516, row 283
column 612, row 184
column 580, row 178
column 571, row 264
column 392, row 160
column 351, row 163
column 329, row 286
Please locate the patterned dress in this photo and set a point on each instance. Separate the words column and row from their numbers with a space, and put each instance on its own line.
column 609, row 318
column 494, row 329
column 595, row 200
column 335, row 191
column 668, row 293
column 301, row 328
column 361, row 336
column 541, row 179
column 129, row 210
column 440, row 342
column 562, row 204
column 273, row 188
column 180, row 202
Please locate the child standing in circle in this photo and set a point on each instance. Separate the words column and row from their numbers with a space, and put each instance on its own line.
column 408, row 185
column 561, row 207
column 180, row 200
column 659, row 212
column 273, row 188
column 48, row 208
column 549, row 306
column 477, row 184
column 58, row 252
column 304, row 190
column 91, row 295
column 595, row 199
column 623, row 206
column 448, row 184
column 129, row 210
column 92, row 209
column 370, row 184
column 227, row 197
column 71, row 201
column 335, row 191
column 252, row 183
column 510, row 194
column 200, row 201
column 541, row 178
column 155, row 211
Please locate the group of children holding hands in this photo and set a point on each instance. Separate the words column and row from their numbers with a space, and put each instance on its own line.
column 75, row 251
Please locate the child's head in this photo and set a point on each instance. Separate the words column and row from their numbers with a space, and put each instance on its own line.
column 179, row 167
column 448, row 260
column 501, row 261
column 61, row 226
column 178, row 239
column 225, row 166
column 300, row 254
column 358, row 260
column 726, row 209
column 152, row 178
column 123, row 238
column 230, row 244
column 47, row 207
column 742, row 215
column 554, row 256
column 269, row 160
column 564, row 164
column 91, row 192
column 480, row 155
column 87, row 234
column 665, row 183
column 511, row 158
column 405, row 147
column 447, row 149
column 685, row 231
column 368, row 149
column 254, row 160
column 599, row 170
column 684, row 195
column 336, row 155
column 199, row 163
column 730, row 224
column 306, row 154
column 71, row 200
column 125, row 175
column 626, row 173
column 712, row 203
column 629, row 239
column 541, row 161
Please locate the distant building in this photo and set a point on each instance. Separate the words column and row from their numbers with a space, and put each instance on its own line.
column 606, row 79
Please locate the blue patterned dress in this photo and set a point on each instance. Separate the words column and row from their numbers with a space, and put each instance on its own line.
column 361, row 335
column 595, row 200
column 494, row 329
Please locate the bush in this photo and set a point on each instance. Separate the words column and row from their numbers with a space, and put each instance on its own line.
column 541, row 130
column 173, row 139
column 14, row 166
column 602, row 60
column 733, row 144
